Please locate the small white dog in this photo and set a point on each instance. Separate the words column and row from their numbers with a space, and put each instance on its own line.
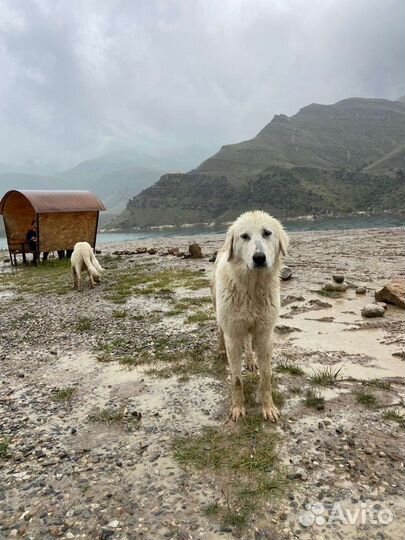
column 83, row 258
column 246, row 295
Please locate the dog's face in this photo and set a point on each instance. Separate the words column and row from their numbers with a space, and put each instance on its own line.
column 257, row 240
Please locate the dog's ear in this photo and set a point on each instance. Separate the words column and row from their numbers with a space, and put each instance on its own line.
column 229, row 245
column 283, row 242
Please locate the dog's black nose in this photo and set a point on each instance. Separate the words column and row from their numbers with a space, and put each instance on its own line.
column 259, row 259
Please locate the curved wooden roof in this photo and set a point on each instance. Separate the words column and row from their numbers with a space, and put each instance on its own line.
column 53, row 201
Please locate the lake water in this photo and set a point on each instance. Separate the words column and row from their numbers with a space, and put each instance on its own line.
column 354, row 222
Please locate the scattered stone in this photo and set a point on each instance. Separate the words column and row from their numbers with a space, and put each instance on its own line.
column 284, row 329
column 361, row 290
column 372, row 310
column 399, row 354
column 141, row 250
column 173, row 251
column 393, row 293
column 213, row 257
column 338, row 278
column 106, row 533
column 318, row 303
column 332, row 286
column 195, row 251
column 152, row 251
column 290, row 299
column 286, row 273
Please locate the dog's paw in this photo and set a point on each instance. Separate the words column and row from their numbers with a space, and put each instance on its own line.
column 250, row 364
column 271, row 413
column 237, row 412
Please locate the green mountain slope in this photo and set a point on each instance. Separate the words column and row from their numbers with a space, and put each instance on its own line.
column 350, row 134
column 326, row 158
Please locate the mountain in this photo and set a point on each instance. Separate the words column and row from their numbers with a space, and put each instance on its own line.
column 114, row 178
column 336, row 158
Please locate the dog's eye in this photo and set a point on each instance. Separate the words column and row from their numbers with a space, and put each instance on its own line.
column 266, row 234
column 245, row 236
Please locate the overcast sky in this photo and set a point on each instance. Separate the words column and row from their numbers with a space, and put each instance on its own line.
column 80, row 78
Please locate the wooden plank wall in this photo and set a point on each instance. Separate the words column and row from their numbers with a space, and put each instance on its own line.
column 58, row 231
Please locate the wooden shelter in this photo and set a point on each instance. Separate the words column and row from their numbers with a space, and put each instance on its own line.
column 62, row 219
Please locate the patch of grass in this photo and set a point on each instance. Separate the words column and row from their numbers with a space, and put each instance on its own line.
column 119, row 314
column 211, row 509
column 394, row 415
column 130, row 361
column 289, row 367
column 50, row 277
column 185, row 363
column 196, row 284
column 107, row 415
column 140, row 280
column 377, row 383
column 244, row 462
column 83, row 324
column 4, row 447
column 278, row 398
column 64, row 394
column 329, row 294
column 325, row 376
column 200, row 317
column 314, row 400
column 367, row 399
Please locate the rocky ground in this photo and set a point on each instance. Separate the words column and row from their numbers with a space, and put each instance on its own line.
column 114, row 405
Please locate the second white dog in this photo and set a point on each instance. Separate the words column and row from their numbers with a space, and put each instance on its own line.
column 246, row 294
column 83, row 258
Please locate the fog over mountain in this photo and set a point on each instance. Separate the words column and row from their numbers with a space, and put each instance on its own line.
column 176, row 80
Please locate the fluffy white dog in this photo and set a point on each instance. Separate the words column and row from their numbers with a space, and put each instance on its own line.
column 83, row 258
column 246, row 294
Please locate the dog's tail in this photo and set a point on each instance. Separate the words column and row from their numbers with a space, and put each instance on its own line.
column 87, row 257
column 96, row 264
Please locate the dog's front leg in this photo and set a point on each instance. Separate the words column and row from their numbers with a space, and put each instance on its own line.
column 234, row 351
column 250, row 361
column 221, row 344
column 74, row 275
column 264, row 346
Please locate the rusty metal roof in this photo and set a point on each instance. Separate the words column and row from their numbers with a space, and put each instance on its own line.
column 53, row 201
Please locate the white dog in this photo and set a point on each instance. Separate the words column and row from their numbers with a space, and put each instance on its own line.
column 246, row 294
column 83, row 258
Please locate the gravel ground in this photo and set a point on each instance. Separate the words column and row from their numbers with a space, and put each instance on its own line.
column 97, row 386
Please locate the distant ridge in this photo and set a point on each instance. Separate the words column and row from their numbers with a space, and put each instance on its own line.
column 338, row 158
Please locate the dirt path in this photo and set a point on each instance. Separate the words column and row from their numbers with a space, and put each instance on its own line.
column 113, row 405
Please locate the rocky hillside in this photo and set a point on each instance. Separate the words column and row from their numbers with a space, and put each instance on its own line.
column 326, row 158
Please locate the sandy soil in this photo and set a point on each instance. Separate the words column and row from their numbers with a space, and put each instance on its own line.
column 64, row 474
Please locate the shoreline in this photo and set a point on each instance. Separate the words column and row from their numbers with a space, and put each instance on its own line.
column 285, row 219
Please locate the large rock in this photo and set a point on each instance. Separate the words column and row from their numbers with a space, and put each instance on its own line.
column 286, row 273
column 393, row 293
column 195, row 251
column 372, row 310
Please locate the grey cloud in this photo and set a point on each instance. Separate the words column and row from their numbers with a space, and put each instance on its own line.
column 182, row 77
